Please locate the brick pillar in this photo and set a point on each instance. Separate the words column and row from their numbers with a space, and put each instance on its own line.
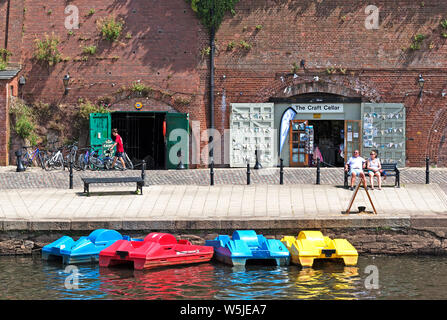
column 7, row 88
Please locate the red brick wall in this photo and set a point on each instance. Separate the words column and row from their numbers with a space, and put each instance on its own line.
column 164, row 53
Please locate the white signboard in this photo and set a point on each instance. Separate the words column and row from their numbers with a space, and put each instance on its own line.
column 318, row 108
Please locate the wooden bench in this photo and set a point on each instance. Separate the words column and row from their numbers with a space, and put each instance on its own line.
column 138, row 180
column 390, row 169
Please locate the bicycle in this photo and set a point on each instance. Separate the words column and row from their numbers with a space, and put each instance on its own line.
column 100, row 161
column 37, row 154
column 55, row 161
column 83, row 159
column 71, row 154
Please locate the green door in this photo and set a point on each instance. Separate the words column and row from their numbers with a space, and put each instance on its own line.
column 177, row 139
column 100, row 129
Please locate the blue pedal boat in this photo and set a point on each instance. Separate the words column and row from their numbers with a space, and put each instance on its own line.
column 245, row 245
column 85, row 250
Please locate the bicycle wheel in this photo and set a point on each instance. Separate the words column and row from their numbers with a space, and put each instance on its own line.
column 129, row 164
column 82, row 164
column 48, row 165
column 26, row 160
column 41, row 159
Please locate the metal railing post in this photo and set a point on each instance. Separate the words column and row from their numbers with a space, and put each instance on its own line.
column 212, row 173
column 71, row 174
column 281, row 171
column 143, row 171
column 318, row 170
column 427, row 170
column 248, row 173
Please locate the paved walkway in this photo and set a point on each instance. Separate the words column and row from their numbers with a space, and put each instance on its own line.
column 218, row 207
column 38, row 178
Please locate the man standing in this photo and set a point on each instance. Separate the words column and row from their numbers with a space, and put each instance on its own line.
column 355, row 166
column 119, row 154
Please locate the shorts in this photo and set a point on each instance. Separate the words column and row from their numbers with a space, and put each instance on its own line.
column 356, row 171
column 119, row 154
column 370, row 171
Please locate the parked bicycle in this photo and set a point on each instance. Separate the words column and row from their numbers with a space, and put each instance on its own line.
column 55, row 161
column 39, row 156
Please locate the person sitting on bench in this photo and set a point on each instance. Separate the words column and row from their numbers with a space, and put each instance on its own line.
column 374, row 169
column 355, row 166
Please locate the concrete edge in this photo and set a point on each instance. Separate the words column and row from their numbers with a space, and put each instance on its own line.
column 354, row 222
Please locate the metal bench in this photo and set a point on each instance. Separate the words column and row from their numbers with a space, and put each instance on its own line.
column 390, row 169
column 138, row 180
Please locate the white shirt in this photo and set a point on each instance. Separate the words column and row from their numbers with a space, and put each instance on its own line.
column 356, row 162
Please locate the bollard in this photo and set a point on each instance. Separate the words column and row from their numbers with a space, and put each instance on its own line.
column 427, row 170
column 180, row 165
column 71, row 174
column 143, row 171
column 248, row 173
column 281, row 171
column 318, row 170
column 20, row 166
column 257, row 164
column 212, row 173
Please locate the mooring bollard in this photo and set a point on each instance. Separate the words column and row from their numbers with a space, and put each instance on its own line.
column 71, row 174
column 281, row 171
column 212, row 173
column 143, row 171
column 20, row 166
column 318, row 170
column 427, row 170
column 248, row 173
column 258, row 165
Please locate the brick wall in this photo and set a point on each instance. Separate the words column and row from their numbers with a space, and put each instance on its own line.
column 166, row 39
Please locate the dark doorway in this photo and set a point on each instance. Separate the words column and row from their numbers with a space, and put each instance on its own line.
column 143, row 139
column 328, row 136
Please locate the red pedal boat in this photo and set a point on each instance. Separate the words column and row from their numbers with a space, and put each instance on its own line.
column 156, row 250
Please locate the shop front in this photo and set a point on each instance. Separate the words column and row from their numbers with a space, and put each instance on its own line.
column 306, row 131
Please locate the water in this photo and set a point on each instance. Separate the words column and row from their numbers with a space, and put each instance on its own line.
column 400, row 277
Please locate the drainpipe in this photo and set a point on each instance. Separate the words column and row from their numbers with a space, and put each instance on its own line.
column 212, row 48
column 7, row 25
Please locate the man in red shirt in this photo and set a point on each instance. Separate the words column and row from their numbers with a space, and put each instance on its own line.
column 119, row 154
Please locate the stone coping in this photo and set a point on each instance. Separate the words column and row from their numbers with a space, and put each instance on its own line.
column 353, row 221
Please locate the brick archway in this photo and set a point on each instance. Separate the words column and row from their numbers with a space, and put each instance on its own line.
column 351, row 87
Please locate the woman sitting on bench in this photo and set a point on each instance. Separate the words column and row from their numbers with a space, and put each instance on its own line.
column 374, row 169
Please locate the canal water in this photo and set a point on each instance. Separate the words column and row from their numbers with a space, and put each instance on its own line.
column 397, row 277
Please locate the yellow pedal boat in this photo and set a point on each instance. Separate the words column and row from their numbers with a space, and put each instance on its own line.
column 311, row 245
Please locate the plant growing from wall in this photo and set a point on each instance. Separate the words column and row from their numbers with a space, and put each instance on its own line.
column 4, row 57
column 86, row 107
column 443, row 24
column 47, row 51
column 245, row 45
column 89, row 50
column 295, row 67
column 417, row 42
column 231, row 45
column 24, row 122
column 110, row 28
column 205, row 51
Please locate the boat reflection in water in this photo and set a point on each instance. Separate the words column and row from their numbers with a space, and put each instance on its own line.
column 328, row 281
column 184, row 282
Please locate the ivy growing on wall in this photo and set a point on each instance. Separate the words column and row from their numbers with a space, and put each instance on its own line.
column 212, row 12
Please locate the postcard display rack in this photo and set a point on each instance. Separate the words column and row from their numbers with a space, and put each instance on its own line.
column 251, row 129
column 384, row 131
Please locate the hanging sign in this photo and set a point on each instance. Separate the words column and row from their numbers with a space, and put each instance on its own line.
column 318, row 107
